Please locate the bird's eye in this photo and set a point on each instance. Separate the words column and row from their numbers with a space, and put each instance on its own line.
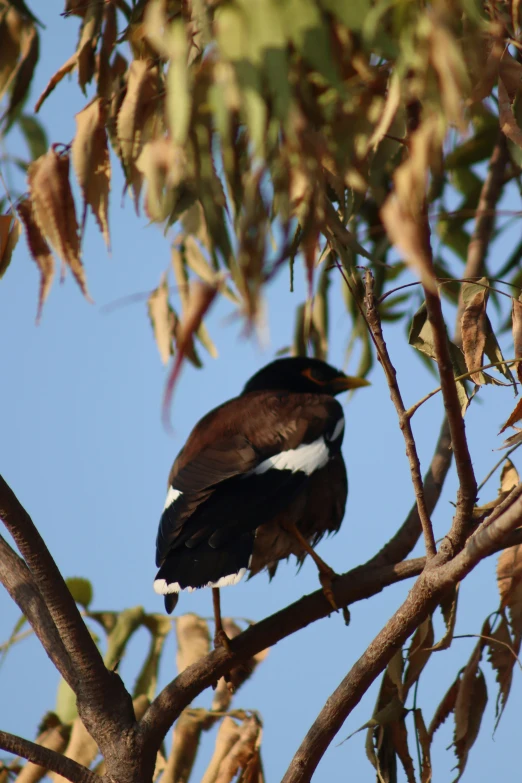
column 309, row 373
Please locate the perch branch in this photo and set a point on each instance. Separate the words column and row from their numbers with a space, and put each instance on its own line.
column 421, row 600
column 46, row 758
column 360, row 583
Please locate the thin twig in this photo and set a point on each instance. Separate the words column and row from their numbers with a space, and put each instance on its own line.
column 46, row 758
column 508, row 362
column 374, row 324
column 495, row 467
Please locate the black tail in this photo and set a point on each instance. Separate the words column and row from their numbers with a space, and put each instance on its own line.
column 204, row 566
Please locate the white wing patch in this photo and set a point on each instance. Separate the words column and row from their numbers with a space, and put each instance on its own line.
column 162, row 587
column 339, row 427
column 306, row 458
column 172, row 495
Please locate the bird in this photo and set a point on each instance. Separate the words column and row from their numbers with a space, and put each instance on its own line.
column 261, row 477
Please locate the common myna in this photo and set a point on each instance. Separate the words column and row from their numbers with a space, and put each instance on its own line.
column 260, row 478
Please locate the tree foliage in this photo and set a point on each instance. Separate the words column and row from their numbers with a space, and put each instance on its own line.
column 369, row 143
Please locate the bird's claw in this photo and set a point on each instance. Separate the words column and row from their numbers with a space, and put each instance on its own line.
column 326, row 577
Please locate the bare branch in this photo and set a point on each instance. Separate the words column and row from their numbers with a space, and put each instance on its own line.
column 421, row 600
column 103, row 703
column 46, row 758
column 374, row 324
column 19, row 583
column 54, row 738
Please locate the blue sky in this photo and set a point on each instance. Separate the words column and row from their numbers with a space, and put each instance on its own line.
column 83, row 446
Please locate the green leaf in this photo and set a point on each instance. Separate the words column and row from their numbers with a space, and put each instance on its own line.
column 421, row 338
column 179, row 102
column 65, row 703
column 127, row 623
column 352, row 13
column 159, row 626
column 34, row 134
column 81, row 590
column 12, row 638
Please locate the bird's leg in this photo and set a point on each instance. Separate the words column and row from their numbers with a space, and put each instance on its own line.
column 326, row 574
column 220, row 637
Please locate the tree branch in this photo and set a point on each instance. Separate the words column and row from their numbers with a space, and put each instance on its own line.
column 358, row 584
column 374, row 324
column 19, row 583
column 421, row 600
column 46, row 758
column 103, row 703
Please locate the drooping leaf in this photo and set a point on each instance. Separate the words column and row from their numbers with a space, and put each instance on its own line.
column 514, row 416
column 22, row 78
column 425, row 744
column 509, row 582
column 10, row 231
column 508, row 123
column 448, row 606
column 90, row 157
column 418, row 653
column 163, row 319
column 127, row 622
column 159, row 626
column 469, row 708
column 516, row 316
column 503, row 657
column 39, row 250
column 445, row 708
column 509, row 477
column 473, row 325
column 193, row 639
column 66, row 68
column 53, row 208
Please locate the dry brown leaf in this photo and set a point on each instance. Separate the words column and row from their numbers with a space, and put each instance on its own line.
column 473, row 326
column 399, row 737
column 243, row 754
column 508, row 123
column 139, row 103
column 163, row 319
column 22, row 77
column 53, row 207
column 185, row 744
column 515, row 416
column 419, row 653
column 11, row 241
column 425, row 744
column 66, row 68
column 39, row 250
column 238, row 674
column 493, row 49
column 390, row 108
column 201, row 297
column 405, row 231
column 447, row 60
column 193, row 640
column 227, row 736
column 90, row 157
column 469, row 708
column 445, row 708
column 509, row 582
column 503, row 657
column 89, row 33
column 11, row 28
column 516, row 316
column 509, row 477
column 108, row 42
column 5, row 228
column 164, row 166
column 448, row 606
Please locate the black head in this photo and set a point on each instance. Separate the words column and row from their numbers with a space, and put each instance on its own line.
column 302, row 374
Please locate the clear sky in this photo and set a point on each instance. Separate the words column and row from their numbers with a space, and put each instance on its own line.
column 83, row 446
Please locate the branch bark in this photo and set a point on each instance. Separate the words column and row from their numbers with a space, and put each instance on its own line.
column 421, row 600
column 374, row 324
column 19, row 583
column 46, row 758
